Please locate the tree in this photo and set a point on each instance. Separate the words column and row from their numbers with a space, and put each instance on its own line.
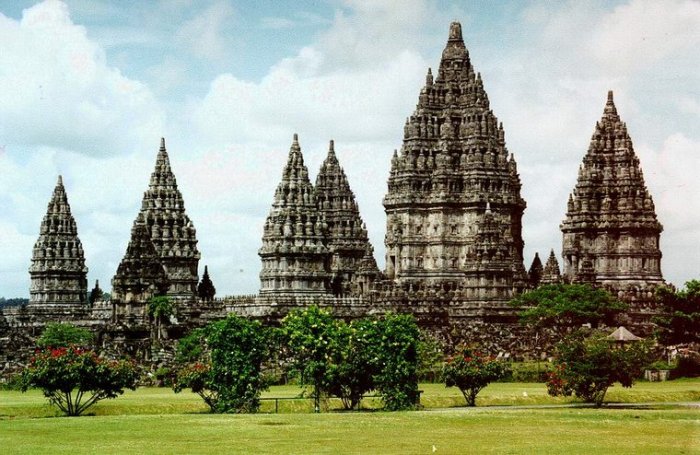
column 227, row 372
column 566, row 306
column 679, row 321
column 61, row 335
column 588, row 364
column 430, row 357
column 160, row 308
column 348, row 361
column 74, row 379
column 470, row 371
column 351, row 372
column 396, row 351
column 312, row 341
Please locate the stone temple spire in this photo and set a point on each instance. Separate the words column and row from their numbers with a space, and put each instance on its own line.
column 534, row 274
column 170, row 229
column 294, row 252
column 347, row 235
column 58, row 272
column 452, row 162
column 611, row 233
column 551, row 273
column 206, row 290
column 140, row 274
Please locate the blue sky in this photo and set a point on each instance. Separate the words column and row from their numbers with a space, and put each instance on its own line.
column 87, row 88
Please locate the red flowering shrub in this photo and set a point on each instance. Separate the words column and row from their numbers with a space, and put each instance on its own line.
column 470, row 371
column 74, row 378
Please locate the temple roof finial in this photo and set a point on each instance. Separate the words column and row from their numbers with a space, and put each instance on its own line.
column 455, row 31
column 331, row 147
column 162, row 144
column 610, row 104
column 60, row 181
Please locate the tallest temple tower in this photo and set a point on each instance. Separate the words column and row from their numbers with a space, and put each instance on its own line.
column 454, row 210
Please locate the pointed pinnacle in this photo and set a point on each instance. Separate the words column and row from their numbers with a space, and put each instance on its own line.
column 60, row 181
column 455, row 31
column 162, row 144
column 610, row 105
column 331, row 147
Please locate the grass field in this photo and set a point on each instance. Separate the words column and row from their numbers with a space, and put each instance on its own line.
column 158, row 421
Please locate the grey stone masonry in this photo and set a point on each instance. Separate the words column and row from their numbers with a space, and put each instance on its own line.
column 58, row 272
column 610, row 232
column 454, row 210
column 171, row 230
column 348, row 242
column 294, row 251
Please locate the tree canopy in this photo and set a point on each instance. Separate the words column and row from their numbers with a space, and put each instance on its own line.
column 73, row 379
column 225, row 364
column 61, row 335
column 679, row 321
column 587, row 364
column 568, row 306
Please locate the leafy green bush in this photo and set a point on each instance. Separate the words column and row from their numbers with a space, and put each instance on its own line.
column 430, row 358
column 74, row 378
column 313, row 339
column 470, row 371
column 588, row 364
column 527, row 372
column 227, row 373
column 396, row 351
column 687, row 366
column 347, row 361
column 61, row 335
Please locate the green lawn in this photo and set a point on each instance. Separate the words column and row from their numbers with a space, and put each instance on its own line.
column 154, row 420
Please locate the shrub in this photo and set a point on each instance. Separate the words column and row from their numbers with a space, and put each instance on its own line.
column 588, row 365
column 470, row 371
column 61, row 335
column 227, row 373
column 687, row 366
column 527, row 372
column 74, row 378
column 396, row 354
column 348, row 361
column 351, row 374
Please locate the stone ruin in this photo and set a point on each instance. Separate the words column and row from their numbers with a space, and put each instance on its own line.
column 454, row 245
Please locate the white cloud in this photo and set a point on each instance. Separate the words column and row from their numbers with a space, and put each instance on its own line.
column 671, row 174
column 59, row 90
column 206, row 34
column 355, row 82
column 638, row 34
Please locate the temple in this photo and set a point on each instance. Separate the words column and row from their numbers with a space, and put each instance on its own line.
column 611, row 233
column 170, row 229
column 294, row 250
column 454, row 210
column 454, row 243
column 551, row 273
column 348, row 243
column 58, row 272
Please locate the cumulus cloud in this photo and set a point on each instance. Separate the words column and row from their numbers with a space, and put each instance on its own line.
column 547, row 73
column 206, row 34
column 60, row 91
